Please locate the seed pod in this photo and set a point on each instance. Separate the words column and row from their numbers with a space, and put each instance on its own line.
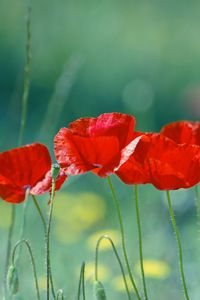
column 12, row 280
column 55, row 169
column 99, row 291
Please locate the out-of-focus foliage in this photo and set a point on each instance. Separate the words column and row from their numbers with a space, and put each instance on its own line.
column 133, row 56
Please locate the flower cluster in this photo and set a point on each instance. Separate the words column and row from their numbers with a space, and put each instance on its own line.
column 106, row 145
column 109, row 144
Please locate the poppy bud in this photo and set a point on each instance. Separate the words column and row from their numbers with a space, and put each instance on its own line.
column 12, row 280
column 55, row 169
column 99, row 290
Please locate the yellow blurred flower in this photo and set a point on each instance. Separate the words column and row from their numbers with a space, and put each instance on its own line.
column 103, row 272
column 154, row 268
column 5, row 210
column 75, row 213
column 105, row 244
column 119, row 285
column 42, row 283
column 66, row 234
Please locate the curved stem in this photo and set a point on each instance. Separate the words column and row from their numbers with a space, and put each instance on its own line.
column 179, row 244
column 39, row 211
column 47, row 238
column 25, row 242
column 116, row 202
column 81, row 282
column 23, row 223
column 117, row 257
column 45, row 231
column 140, row 240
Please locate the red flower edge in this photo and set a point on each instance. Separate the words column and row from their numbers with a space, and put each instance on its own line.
column 93, row 144
column 26, row 167
column 183, row 132
column 158, row 160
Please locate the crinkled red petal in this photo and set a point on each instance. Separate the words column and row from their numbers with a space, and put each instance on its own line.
column 78, row 154
column 108, row 124
column 161, row 162
column 45, row 184
column 183, row 132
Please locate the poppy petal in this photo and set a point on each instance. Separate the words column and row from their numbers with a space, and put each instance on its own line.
column 108, row 124
column 160, row 161
column 183, row 132
column 9, row 192
column 77, row 154
column 45, row 184
column 25, row 165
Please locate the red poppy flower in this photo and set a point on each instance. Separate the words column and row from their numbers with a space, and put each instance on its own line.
column 26, row 167
column 93, row 144
column 156, row 159
column 183, row 132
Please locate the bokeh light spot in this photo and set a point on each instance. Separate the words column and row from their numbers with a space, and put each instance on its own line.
column 154, row 268
column 5, row 215
column 138, row 94
column 76, row 213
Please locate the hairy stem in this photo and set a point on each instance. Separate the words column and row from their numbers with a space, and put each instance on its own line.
column 176, row 232
column 140, row 240
column 47, row 238
column 117, row 257
column 45, row 231
column 116, row 202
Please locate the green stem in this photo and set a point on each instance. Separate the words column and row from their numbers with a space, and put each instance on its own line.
column 39, row 211
column 116, row 202
column 8, row 252
column 45, row 231
column 140, row 240
column 117, row 257
column 23, row 224
column 197, row 202
column 32, row 262
column 173, row 220
column 81, row 282
column 22, row 126
column 47, row 238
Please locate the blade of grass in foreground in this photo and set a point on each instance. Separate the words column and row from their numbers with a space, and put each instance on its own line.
column 60, row 96
column 25, row 95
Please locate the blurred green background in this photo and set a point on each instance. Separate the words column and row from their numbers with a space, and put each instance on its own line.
column 90, row 57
